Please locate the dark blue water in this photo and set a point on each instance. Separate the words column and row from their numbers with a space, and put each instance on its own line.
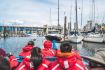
column 15, row 44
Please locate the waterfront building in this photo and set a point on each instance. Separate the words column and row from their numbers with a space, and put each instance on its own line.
column 103, row 28
column 13, row 30
column 88, row 26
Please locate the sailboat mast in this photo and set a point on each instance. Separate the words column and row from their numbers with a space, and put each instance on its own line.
column 70, row 11
column 81, row 13
column 50, row 17
column 93, row 11
column 76, row 15
column 69, row 24
column 58, row 14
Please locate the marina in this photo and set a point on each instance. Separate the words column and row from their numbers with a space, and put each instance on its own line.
column 52, row 34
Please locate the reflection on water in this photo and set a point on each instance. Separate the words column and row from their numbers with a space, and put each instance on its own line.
column 90, row 48
column 14, row 45
column 86, row 48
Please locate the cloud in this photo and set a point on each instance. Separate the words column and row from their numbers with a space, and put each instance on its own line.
column 37, row 12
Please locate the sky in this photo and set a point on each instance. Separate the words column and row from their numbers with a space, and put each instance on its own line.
column 41, row 12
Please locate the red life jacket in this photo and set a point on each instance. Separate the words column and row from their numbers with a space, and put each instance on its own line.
column 48, row 51
column 13, row 62
column 27, row 65
column 77, row 54
column 74, row 52
column 26, row 51
column 68, row 63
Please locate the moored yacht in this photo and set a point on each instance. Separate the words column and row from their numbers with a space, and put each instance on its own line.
column 75, row 38
column 53, row 35
column 94, row 38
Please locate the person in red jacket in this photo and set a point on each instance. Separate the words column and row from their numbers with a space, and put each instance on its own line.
column 4, row 64
column 74, row 52
column 10, row 58
column 35, row 62
column 13, row 61
column 66, row 59
column 48, row 51
column 2, row 52
column 26, row 51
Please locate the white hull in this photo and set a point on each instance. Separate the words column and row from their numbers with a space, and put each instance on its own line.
column 93, row 39
column 75, row 39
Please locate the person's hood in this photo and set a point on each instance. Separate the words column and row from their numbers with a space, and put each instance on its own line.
column 27, row 48
column 47, row 44
column 61, row 54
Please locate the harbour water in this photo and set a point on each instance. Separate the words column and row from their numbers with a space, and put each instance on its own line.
column 15, row 44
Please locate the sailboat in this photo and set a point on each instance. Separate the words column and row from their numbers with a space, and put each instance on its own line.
column 53, row 34
column 76, row 38
column 94, row 37
column 98, row 38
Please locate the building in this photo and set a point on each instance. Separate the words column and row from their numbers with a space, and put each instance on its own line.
column 88, row 26
column 103, row 28
column 12, row 30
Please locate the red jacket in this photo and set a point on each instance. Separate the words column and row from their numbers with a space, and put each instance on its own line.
column 13, row 62
column 77, row 54
column 48, row 51
column 26, row 51
column 74, row 52
column 68, row 62
column 27, row 65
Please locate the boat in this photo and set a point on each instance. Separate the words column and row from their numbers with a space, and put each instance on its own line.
column 87, row 62
column 75, row 38
column 93, row 36
column 97, row 38
column 53, row 35
column 95, row 61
